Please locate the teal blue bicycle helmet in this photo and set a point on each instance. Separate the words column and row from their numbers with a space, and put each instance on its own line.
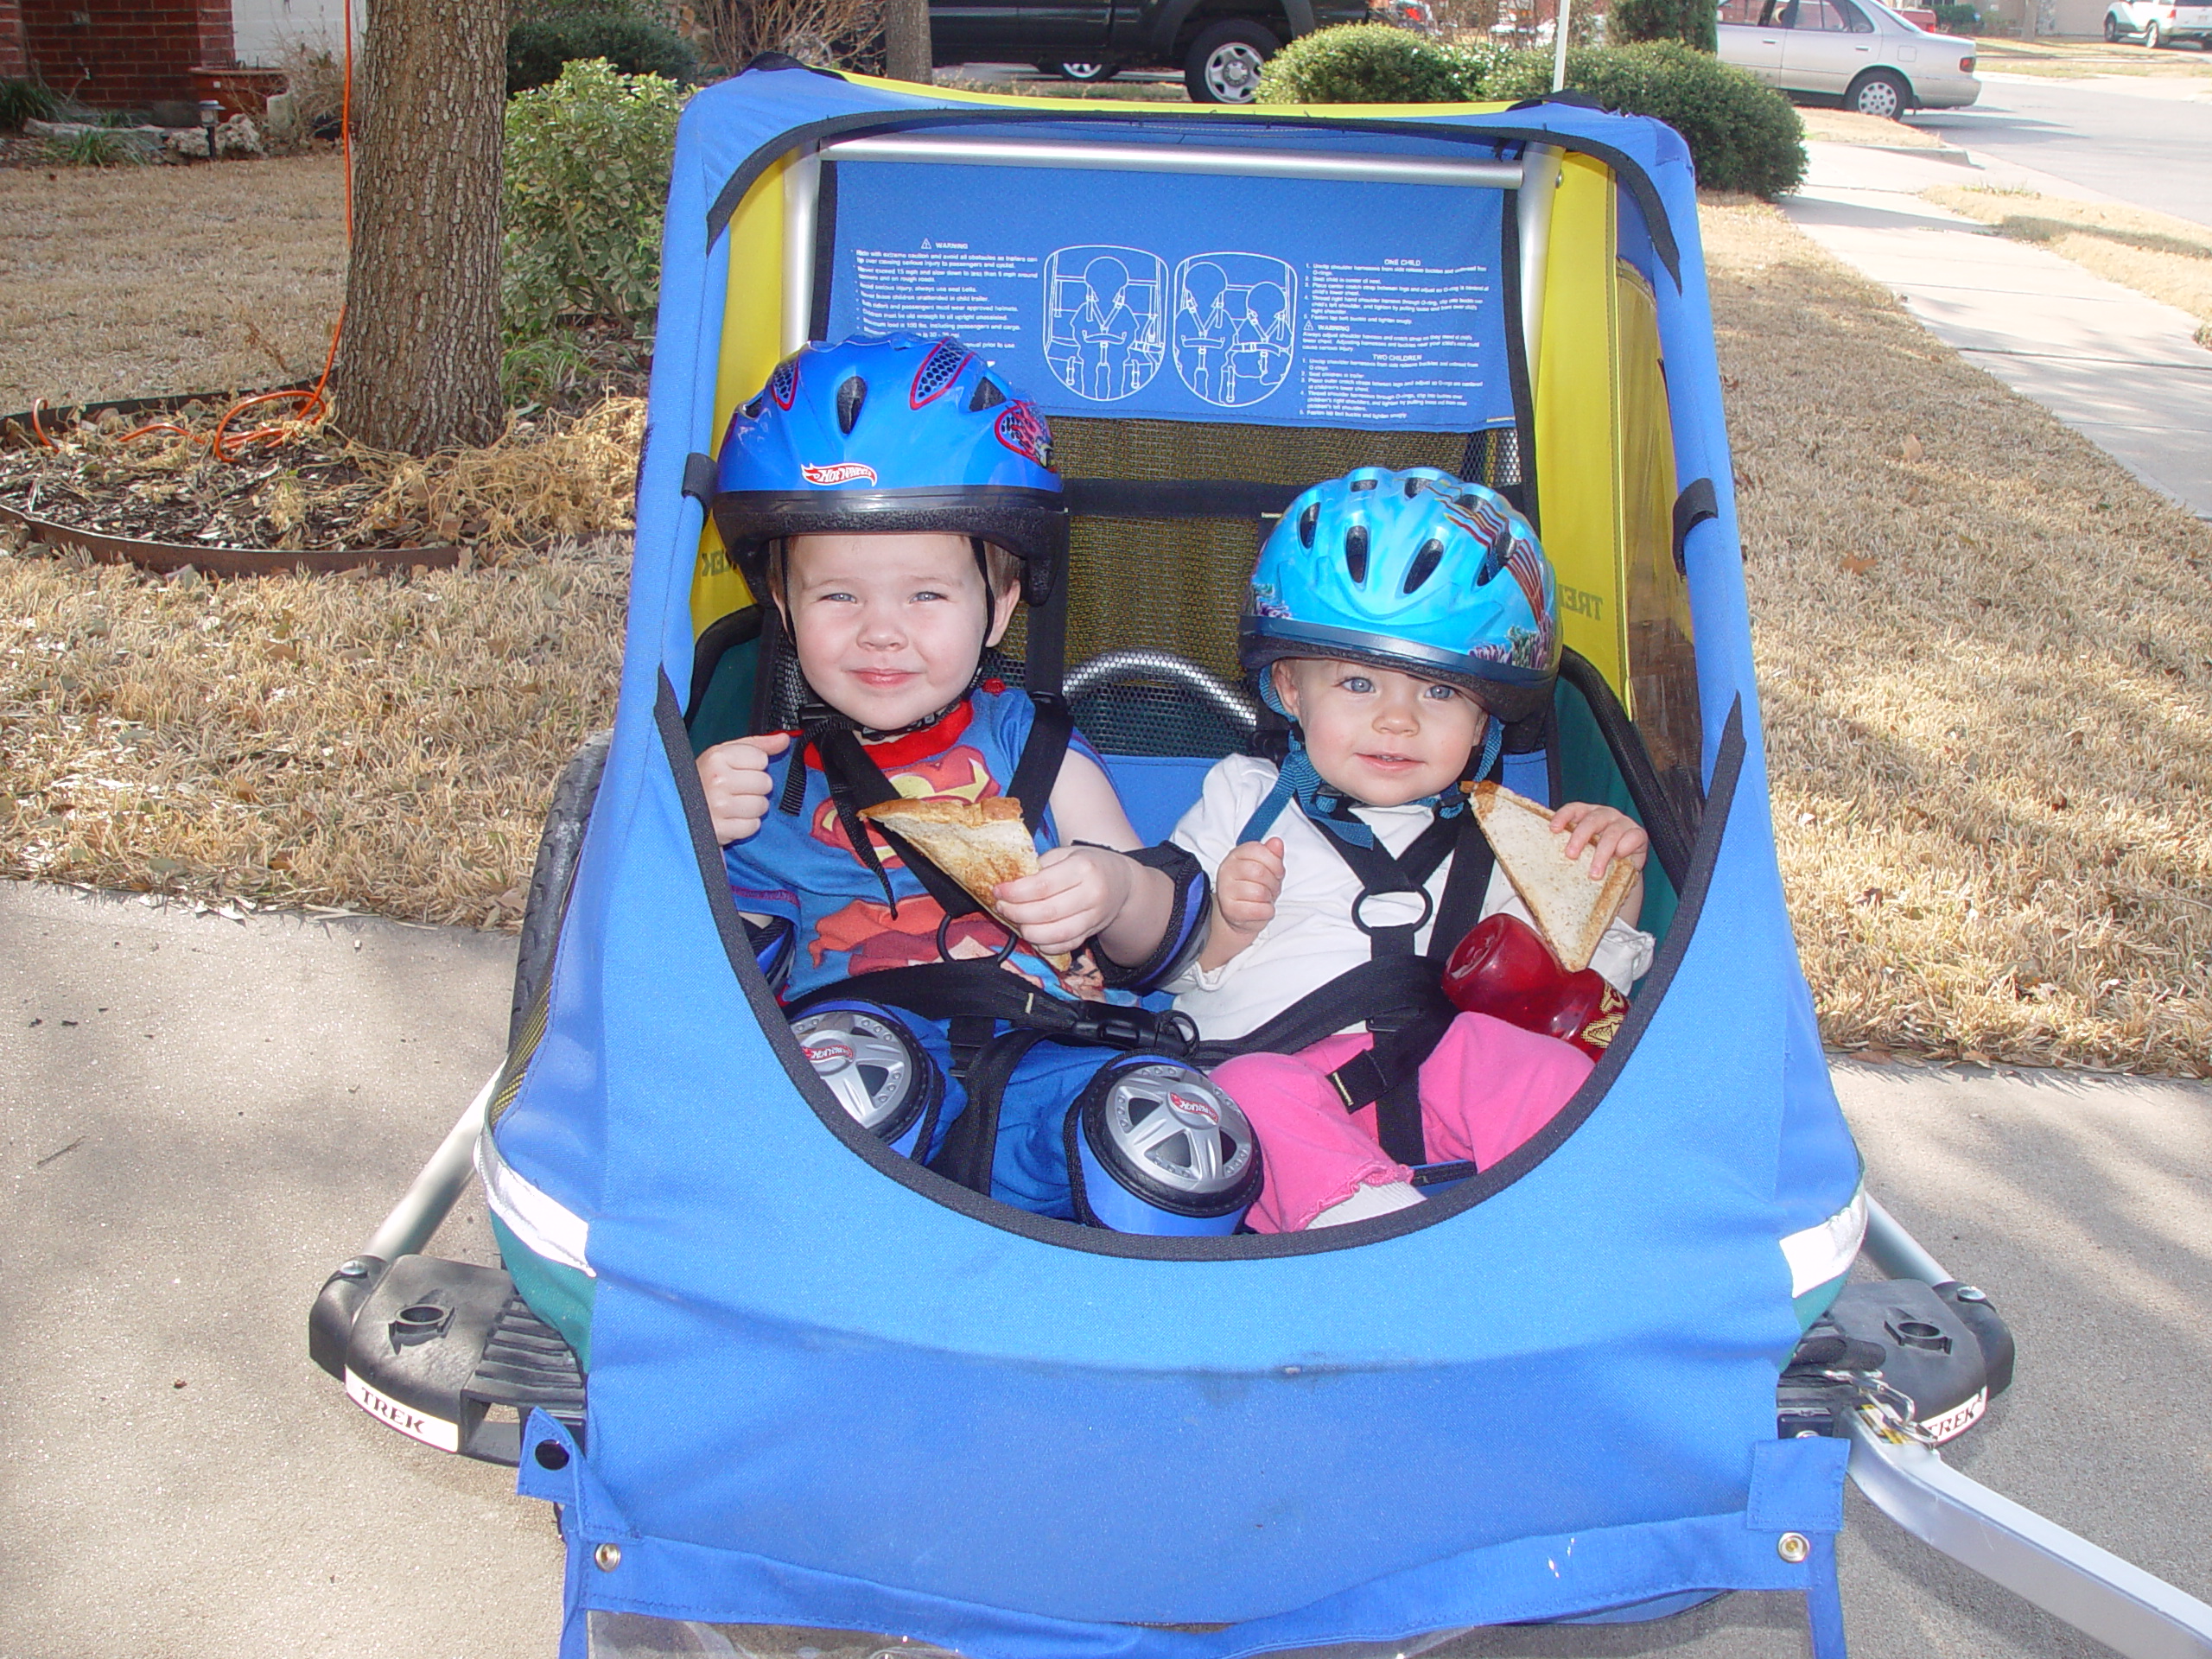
column 1413, row 570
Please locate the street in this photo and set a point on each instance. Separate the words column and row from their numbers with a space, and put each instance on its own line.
column 200, row 1117
column 2142, row 141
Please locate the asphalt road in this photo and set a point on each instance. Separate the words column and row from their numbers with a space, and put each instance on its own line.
column 2146, row 145
column 200, row 1117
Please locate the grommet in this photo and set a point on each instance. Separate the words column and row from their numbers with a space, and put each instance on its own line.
column 1970, row 1293
column 609, row 1556
column 1792, row 1546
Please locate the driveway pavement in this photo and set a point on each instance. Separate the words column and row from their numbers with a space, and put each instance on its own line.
column 2124, row 371
column 199, row 1118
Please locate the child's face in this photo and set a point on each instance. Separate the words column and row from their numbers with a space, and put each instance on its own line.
column 1382, row 737
column 889, row 627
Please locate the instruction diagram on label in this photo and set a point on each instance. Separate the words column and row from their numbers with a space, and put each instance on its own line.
column 1387, row 339
column 1235, row 330
column 1187, row 297
column 1103, row 333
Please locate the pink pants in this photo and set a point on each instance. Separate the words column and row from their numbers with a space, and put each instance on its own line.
column 1486, row 1088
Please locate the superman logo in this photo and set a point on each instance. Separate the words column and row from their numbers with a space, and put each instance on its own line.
column 958, row 774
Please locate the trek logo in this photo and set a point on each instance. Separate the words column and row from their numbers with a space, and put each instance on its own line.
column 431, row 1431
column 1190, row 1106
column 1960, row 1418
column 1582, row 603
column 843, row 472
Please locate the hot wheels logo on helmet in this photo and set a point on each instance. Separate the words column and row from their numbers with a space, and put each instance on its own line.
column 1022, row 429
column 783, row 385
column 843, row 472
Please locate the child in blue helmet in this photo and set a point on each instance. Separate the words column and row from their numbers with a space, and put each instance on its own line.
column 1398, row 619
column 893, row 500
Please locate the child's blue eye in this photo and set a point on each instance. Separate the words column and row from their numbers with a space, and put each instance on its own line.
column 1442, row 693
column 1356, row 683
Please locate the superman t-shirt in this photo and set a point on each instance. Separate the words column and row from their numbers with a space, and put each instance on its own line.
column 802, row 866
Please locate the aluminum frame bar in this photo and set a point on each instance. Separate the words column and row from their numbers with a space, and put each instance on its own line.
column 1898, row 1253
column 2119, row 1603
column 1174, row 158
column 430, row 1199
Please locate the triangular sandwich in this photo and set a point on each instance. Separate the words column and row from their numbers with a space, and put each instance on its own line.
column 1571, row 910
column 977, row 844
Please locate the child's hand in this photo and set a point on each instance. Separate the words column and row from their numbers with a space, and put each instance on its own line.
column 735, row 778
column 1076, row 893
column 1247, row 885
column 1613, row 833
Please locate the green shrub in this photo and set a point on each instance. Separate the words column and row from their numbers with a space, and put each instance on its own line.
column 1373, row 63
column 23, row 101
column 539, row 47
column 1691, row 22
column 1957, row 20
column 587, row 178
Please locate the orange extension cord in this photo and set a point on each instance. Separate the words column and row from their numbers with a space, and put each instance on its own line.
column 310, row 403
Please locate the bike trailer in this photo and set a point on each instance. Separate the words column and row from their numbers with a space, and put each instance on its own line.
column 776, row 1375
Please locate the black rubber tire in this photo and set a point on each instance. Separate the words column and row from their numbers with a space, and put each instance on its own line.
column 1097, row 71
column 1880, row 86
column 1240, row 35
column 2111, row 30
column 555, row 872
column 2153, row 36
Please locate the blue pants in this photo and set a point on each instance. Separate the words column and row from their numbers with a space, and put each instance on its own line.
column 1030, row 1170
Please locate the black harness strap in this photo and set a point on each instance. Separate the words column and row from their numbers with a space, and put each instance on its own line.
column 1379, row 873
column 1461, row 907
column 970, row 1148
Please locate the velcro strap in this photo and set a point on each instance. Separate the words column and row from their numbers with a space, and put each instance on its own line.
column 701, row 477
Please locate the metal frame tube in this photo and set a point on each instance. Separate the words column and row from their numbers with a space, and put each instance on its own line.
column 427, row 1203
column 1110, row 666
column 2092, row 1589
column 1897, row 1252
column 1162, row 158
column 1540, row 179
column 802, row 194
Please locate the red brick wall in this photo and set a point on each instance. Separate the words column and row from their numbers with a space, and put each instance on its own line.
column 14, row 60
column 117, row 53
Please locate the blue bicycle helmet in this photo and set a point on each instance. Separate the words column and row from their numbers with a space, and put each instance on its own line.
column 892, row 433
column 1413, row 570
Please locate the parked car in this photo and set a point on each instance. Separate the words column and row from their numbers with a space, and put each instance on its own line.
column 1219, row 45
column 2155, row 23
column 1856, row 52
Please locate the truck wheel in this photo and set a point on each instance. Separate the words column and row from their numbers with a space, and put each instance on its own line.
column 1083, row 71
column 1224, row 64
column 550, row 877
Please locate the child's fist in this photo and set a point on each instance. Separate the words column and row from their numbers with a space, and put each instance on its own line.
column 735, row 778
column 1077, row 892
column 1614, row 833
column 1247, row 883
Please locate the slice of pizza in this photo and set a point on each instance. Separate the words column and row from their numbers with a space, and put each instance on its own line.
column 977, row 844
column 1571, row 910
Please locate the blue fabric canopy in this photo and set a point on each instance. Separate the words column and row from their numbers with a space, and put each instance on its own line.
column 822, row 1395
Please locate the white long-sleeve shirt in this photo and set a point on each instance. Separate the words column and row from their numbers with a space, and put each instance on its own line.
column 1313, row 938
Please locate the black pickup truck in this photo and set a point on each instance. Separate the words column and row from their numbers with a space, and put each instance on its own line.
column 1219, row 45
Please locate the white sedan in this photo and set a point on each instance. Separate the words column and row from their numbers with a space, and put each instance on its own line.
column 2155, row 23
column 1855, row 51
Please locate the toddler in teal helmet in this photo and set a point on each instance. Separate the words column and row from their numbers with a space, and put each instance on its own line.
column 1398, row 620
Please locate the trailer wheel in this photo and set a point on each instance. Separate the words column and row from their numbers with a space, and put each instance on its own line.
column 554, row 872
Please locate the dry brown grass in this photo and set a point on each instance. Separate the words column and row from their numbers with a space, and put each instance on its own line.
column 2168, row 258
column 1986, row 664
column 370, row 742
column 141, row 279
column 2089, row 60
column 1849, row 127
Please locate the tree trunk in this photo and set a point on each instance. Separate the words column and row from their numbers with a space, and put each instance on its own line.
column 906, row 40
column 419, row 364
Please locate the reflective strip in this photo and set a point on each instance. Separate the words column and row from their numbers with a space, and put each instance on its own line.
column 546, row 1225
column 1824, row 1252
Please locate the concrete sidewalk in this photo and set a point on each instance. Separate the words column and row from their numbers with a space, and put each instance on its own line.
column 200, row 1117
column 2124, row 371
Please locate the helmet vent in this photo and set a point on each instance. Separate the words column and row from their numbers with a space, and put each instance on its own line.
column 1362, row 484
column 850, row 396
column 1424, row 565
column 1306, row 522
column 1413, row 487
column 1494, row 560
column 1356, row 553
column 987, row 396
column 752, row 410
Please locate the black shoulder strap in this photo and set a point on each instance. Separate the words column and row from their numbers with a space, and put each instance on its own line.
column 1461, row 907
column 971, row 1145
column 1038, row 769
column 855, row 781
